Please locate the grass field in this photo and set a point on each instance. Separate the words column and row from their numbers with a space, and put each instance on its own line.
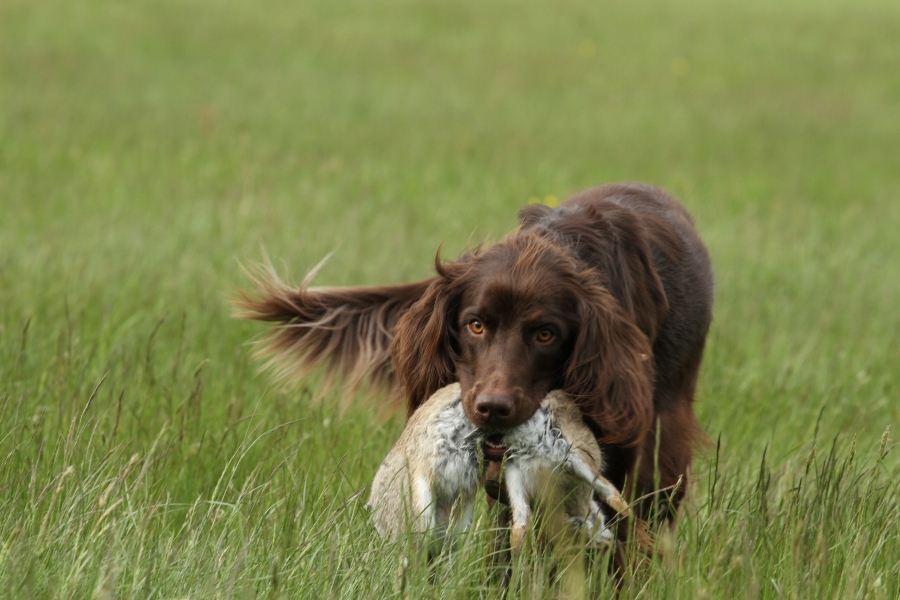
column 147, row 147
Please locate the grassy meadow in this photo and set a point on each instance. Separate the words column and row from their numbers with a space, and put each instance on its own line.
column 148, row 148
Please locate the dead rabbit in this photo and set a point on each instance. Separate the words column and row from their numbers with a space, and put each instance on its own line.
column 428, row 481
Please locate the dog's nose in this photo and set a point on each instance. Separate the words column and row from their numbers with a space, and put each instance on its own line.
column 493, row 407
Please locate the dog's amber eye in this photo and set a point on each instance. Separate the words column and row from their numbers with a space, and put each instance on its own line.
column 544, row 336
column 476, row 327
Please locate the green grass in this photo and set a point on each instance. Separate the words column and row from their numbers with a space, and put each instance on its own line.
column 147, row 147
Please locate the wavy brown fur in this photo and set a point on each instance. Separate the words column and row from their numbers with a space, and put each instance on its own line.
column 346, row 330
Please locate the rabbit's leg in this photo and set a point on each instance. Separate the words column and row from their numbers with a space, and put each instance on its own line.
column 598, row 532
column 601, row 485
column 426, row 515
column 519, row 504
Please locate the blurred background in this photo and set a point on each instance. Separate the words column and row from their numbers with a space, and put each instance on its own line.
column 149, row 147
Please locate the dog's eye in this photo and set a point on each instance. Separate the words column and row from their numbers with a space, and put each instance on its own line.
column 544, row 336
column 476, row 327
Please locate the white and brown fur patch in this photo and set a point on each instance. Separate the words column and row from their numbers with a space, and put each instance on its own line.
column 429, row 479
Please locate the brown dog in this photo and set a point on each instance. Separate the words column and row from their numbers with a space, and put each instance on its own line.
column 607, row 297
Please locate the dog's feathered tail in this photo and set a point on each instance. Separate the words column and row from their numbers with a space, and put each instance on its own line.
column 345, row 330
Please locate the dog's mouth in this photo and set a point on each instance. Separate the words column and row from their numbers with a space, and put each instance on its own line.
column 493, row 447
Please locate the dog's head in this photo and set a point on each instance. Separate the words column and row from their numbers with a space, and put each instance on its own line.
column 517, row 320
column 515, row 325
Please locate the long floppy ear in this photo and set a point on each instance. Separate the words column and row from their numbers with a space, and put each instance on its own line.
column 609, row 372
column 346, row 330
column 425, row 346
column 634, row 276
